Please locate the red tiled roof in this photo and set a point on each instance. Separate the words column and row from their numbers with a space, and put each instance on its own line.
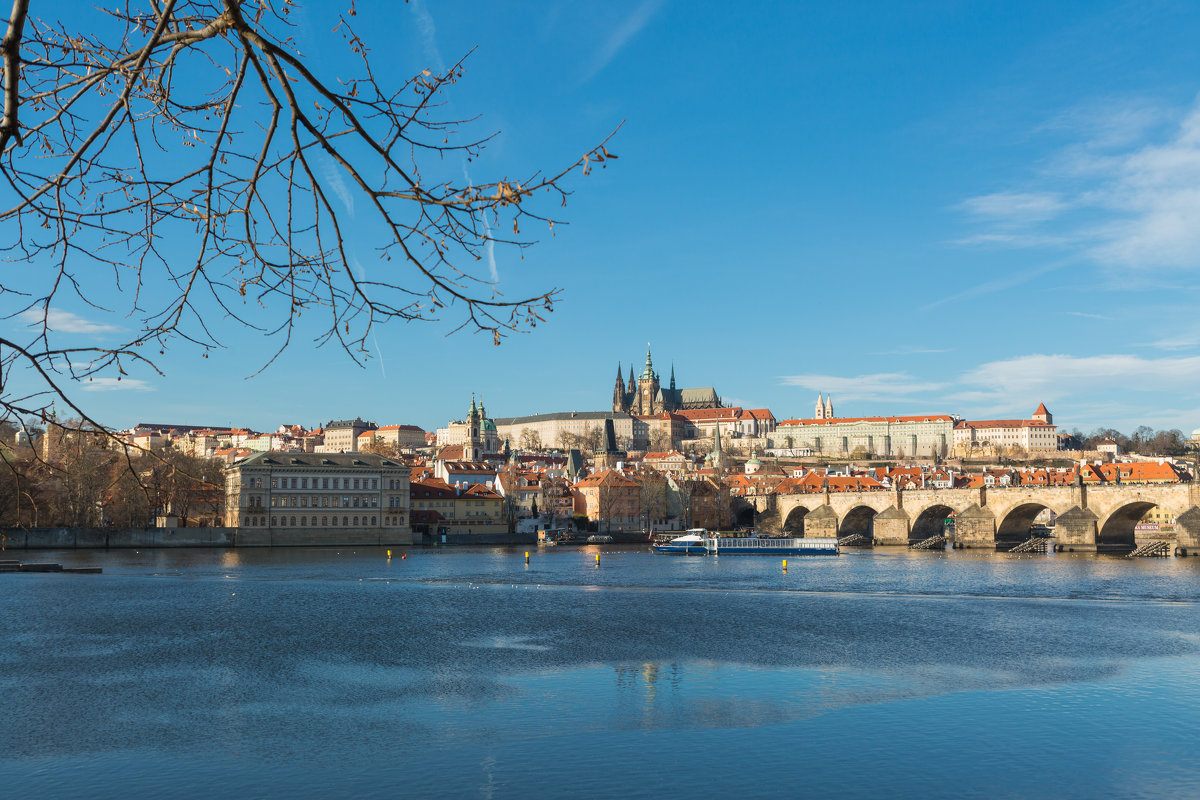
column 1005, row 423
column 837, row 420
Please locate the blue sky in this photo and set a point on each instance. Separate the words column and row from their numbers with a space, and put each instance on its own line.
column 918, row 207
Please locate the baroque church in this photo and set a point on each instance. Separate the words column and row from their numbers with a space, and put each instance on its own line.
column 644, row 395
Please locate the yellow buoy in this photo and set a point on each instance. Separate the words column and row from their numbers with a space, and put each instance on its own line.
column 785, row 565
column 389, row 553
column 526, row 556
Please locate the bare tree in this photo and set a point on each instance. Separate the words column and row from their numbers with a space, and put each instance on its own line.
column 191, row 152
column 530, row 440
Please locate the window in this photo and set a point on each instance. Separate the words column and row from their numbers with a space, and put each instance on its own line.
column 356, row 520
column 293, row 522
column 356, row 483
column 374, row 483
column 333, row 521
column 302, row 519
column 273, row 522
column 294, row 483
column 274, row 483
column 335, row 483
column 325, row 483
column 372, row 520
column 325, row 501
column 345, row 520
column 314, row 522
column 304, row 501
column 324, row 521
column 304, row 483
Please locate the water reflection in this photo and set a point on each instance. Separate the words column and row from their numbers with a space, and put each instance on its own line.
column 468, row 673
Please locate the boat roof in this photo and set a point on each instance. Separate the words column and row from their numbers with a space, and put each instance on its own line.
column 690, row 538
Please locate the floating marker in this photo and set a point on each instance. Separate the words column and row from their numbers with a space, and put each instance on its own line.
column 389, row 553
column 785, row 565
column 597, row 559
column 526, row 556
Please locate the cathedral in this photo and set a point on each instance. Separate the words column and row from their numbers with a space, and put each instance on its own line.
column 644, row 395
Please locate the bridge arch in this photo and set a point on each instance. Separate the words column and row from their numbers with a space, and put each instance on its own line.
column 793, row 523
column 1116, row 531
column 1014, row 527
column 858, row 520
column 929, row 522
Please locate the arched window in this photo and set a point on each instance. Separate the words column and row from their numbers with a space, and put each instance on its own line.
column 293, row 522
column 302, row 520
column 372, row 520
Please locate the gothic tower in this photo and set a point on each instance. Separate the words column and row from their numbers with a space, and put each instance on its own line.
column 619, row 403
column 829, row 407
column 820, row 412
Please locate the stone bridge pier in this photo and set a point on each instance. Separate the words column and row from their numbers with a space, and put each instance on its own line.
column 1088, row 518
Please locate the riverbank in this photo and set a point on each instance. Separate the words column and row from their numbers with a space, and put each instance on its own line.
column 224, row 538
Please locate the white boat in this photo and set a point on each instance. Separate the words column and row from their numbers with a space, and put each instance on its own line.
column 698, row 541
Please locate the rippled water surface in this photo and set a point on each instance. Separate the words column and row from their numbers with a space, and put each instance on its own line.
column 467, row 673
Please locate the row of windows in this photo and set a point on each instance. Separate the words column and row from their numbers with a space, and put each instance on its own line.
column 332, row 522
column 324, row 483
column 325, row 501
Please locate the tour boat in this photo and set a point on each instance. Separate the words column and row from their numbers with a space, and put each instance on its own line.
column 700, row 542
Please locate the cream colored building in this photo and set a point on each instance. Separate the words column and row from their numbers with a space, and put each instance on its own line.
column 348, row 492
column 562, row 430
column 401, row 436
column 916, row 436
column 341, row 436
column 1036, row 434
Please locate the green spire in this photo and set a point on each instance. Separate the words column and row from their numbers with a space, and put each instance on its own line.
column 648, row 372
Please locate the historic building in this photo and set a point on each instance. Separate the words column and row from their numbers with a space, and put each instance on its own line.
column 476, row 433
column 341, row 436
column 1036, row 434
column 346, row 492
column 645, row 395
column 855, row 437
column 572, row 429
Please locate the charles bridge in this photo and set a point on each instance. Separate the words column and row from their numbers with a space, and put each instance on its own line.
column 1089, row 517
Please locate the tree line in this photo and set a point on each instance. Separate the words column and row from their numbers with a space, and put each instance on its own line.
column 73, row 477
column 1144, row 441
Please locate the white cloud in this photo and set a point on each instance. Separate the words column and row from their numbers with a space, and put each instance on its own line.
column 1015, row 208
column 116, row 385
column 624, row 33
column 1086, row 315
column 1124, row 196
column 59, row 321
column 1052, row 376
column 1013, row 387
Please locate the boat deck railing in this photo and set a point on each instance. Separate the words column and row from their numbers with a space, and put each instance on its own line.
column 719, row 544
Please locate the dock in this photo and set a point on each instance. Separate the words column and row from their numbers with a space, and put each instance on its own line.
column 46, row 566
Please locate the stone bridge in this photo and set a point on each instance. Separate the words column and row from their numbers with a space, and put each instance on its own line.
column 1089, row 518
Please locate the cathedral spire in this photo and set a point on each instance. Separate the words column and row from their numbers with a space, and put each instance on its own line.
column 648, row 372
column 672, row 377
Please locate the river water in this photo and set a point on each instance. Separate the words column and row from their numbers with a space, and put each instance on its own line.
column 466, row 673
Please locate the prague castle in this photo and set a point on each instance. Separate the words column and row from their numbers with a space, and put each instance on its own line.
column 644, row 396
